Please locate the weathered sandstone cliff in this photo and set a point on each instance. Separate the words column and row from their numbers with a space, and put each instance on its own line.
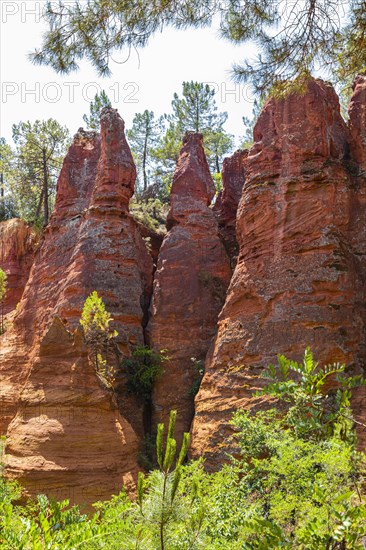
column 68, row 437
column 190, row 284
column 17, row 248
column 227, row 202
column 300, row 277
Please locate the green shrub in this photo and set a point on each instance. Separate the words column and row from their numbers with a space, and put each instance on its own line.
column 142, row 369
column 95, row 321
column 298, row 484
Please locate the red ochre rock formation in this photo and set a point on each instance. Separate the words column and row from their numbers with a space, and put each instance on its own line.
column 17, row 248
column 227, row 202
column 68, row 437
column 300, row 276
column 190, row 284
column 357, row 124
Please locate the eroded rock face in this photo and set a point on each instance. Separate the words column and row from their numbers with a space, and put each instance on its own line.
column 77, row 443
column 17, row 248
column 227, row 202
column 357, row 124
column 298, row 280
column 190, row 284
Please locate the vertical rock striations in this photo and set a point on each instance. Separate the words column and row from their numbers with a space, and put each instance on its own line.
column 357, row 214
column 68, row 437
column 17, row 248
column 298, row 280
column 190, row 284
column 226, row 205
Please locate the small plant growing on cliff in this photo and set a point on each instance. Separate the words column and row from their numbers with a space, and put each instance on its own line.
column 199, row 370
column 143, row 368
column 3, row 285
column 95, row 321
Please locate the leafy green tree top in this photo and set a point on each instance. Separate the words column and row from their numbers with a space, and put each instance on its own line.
column 101, row 100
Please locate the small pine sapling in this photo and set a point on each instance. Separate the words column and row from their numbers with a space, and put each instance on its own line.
column 158, row 504
column 95, row 321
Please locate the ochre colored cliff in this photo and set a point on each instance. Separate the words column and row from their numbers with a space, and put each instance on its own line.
column 17, row 248
column 300, row 276
column 227, row 202
column 66, row 435
column 357, row 165
column 190, row 284
column 297, row 202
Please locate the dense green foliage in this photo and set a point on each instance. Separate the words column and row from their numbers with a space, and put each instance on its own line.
column 96, row 106
column 298, row 484
column 196, row 111
column 40, row 149
column 7, row 201
column 143, row 368
column 151, row 212
column 99, row 336
column 293, row 38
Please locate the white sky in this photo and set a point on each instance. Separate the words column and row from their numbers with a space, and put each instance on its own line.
column 147, row 81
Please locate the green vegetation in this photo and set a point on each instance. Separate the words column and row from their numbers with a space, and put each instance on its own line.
column 95, row 108
column 143, row 138
column 142, row 369
column 298, row 484
column 3, row 285
column 151, row 212
column 156, row 143
column 7, row 202
column 95, row 321
column 40, row 149
column 293, row 39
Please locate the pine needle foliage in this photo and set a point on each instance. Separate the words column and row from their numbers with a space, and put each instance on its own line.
column 293, row 38
column 96, row 106
column 95, row 321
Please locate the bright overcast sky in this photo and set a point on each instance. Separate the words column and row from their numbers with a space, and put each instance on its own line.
column 145, row 81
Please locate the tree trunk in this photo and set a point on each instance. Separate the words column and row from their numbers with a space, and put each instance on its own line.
column 45, row 187
column 38, row 211
column 218, row 170
column 144, row 156
column 2, row 199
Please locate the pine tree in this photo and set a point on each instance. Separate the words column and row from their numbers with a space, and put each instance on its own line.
column 100, row 101
column 293, row 38
column 158, row 504
column 95, row 321
column 40, row 148
column 7, row 205
column 143, row 137
column 218, row 144
column 195, row 111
